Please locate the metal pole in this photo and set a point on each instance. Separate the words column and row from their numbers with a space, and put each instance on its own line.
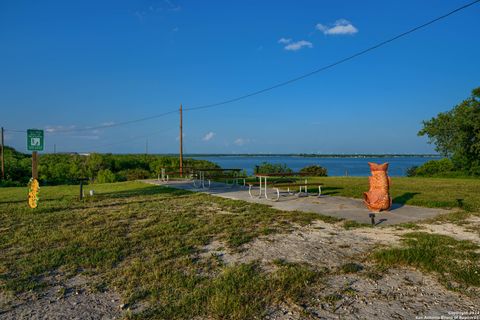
column 2, row 157
column 181, row 141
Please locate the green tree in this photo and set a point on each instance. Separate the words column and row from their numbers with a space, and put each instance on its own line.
column 94, row 164
column 266, row 167
column 314, row 170
column 105, row 176
column 456, row 133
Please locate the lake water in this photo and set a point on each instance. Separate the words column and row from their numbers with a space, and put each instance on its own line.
column 335, row 166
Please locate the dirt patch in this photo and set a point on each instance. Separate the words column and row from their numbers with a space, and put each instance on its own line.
column 63, row 299
column 370, row 293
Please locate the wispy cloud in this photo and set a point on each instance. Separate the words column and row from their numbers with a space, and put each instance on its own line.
column 284, row 40
column 297, row 45
column 241, row 141
column 53, row 129
column 87, row 137
column 161, row 8
column 340, row 27
column 171, row 6
column 208, row 136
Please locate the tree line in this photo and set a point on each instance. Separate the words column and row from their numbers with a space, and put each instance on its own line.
column 54, row 169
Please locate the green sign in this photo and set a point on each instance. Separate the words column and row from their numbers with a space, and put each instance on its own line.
column 35, row 140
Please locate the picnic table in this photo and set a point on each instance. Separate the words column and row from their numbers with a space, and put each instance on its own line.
column 263, row 184
column 204, row 178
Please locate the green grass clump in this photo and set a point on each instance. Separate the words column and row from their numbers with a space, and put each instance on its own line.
column 409, row 225
column 452, row 260
column 237, row 292
column 351, row 224
column 351, row 267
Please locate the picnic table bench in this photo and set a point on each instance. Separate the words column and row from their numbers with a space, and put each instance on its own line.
column 277, row 185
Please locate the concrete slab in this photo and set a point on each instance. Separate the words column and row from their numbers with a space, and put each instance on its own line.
column 339, row 207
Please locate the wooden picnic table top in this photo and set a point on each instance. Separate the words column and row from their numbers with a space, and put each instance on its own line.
column 203, row 169
column 286, row 174
column 215, row 169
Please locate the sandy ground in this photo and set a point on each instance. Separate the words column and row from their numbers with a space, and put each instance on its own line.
column 64, row 299
column 399, row 293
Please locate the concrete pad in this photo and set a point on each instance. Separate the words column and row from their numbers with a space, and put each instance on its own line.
column 339, row 207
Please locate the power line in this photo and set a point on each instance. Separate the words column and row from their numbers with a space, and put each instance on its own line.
column 281, row 84
column 133, row 138
column 353, row 56
column 118, row 124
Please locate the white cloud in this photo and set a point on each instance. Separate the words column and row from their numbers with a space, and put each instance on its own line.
column 241, row 141
column 208, row 136
column 340, row 27
column 53, row 129
column 295, row 46
column 87, row 137
column 284, row 40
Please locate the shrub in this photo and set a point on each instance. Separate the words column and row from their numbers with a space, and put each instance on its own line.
column 105, row 176
column 314, row 170
column 133, row 174
column 412, row 171
column 266, row 167
column 433, row 168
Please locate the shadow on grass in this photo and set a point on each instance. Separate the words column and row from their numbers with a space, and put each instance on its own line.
column 330, row 191
column 400, row 201
column 148, row 191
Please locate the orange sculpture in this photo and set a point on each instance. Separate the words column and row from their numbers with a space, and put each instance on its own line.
column 378, row 197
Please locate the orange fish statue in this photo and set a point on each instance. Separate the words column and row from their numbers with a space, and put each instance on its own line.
column 378, row 197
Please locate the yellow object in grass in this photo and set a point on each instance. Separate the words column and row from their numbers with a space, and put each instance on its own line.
column 33, row 191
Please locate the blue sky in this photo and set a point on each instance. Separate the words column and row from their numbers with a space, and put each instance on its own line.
column 73, row 65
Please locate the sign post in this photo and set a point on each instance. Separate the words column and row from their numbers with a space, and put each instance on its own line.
column 35, row 142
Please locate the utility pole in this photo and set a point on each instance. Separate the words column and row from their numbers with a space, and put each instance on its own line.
column 146, row 148
column 181, row 141
column 2, row 158
column 54, row 148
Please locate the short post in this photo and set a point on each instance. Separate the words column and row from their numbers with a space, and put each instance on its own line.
column 372, row 217
column 82, row 180
column 34, row 165
column 81, row 189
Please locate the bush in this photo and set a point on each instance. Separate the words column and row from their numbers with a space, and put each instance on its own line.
column 314, row 170
column 412, row 171
column 434, row 168
column 105, row 176
column 133, row 174
column 266, row 167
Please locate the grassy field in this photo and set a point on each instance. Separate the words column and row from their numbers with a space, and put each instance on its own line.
column 146, row 242
column 425, row 192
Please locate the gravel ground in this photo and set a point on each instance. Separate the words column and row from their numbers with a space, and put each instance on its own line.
column 400, row 293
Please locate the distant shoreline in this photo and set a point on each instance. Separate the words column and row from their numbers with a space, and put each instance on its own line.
column 320, row 155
